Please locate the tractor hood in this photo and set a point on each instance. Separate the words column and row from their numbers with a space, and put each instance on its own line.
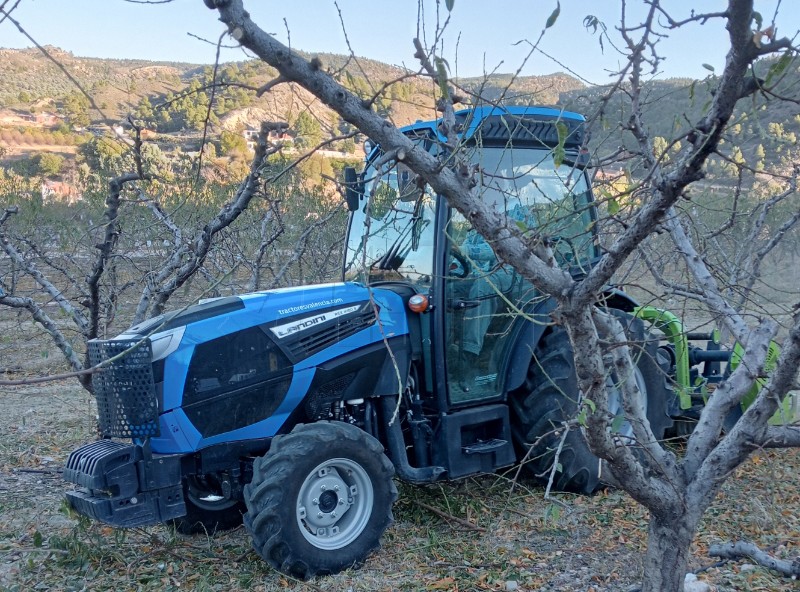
column 235, row 368
column 287, row 314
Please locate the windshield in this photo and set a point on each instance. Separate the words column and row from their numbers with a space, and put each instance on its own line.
column 392, row 233
column 542, row 199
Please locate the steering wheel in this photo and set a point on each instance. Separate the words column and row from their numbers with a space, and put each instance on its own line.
column 466, row 268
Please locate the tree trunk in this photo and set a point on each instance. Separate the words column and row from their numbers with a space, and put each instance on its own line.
column 668, row 544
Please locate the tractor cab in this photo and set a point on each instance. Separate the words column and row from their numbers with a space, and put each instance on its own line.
column 403, row 236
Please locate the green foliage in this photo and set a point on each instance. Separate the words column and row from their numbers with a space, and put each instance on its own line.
column 348, row 146
column 308, row 131
column 76, row 108
column 558, row 152
column 49, row 164
column 156, row 163
column 18, row 188
column 315, row 167
column 401, row 91
column 777, row 69
column 233, row 144
column 189, row 109
column 103, row 154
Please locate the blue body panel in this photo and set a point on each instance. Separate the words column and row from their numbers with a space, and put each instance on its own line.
column 178, row 435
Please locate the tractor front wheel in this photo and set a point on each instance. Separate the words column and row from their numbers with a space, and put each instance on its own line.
column 320, row 499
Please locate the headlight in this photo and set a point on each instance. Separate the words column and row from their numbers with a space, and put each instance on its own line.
column 165, row 343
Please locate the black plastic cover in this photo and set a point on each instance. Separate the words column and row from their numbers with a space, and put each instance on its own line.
column 476, row 440
column 234, row 381
column 535, row 130
column 192, row 314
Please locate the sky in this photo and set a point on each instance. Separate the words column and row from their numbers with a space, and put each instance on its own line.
column 481, row 36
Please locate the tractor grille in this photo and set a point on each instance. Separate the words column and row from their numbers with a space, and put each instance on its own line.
column 319, row 340
column 318, row 404
column 125, row 391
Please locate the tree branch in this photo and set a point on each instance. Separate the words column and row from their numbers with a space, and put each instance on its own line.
column 180, row 267
column 742, row 549
column 38, row 315
column 30, row 269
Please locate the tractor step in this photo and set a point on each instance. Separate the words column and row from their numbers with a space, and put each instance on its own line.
column 486, row 447
column 476, row 440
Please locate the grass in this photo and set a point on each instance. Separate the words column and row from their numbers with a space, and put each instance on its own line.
column 474, row 534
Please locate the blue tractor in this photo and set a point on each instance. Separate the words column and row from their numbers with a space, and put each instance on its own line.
column 293, row 409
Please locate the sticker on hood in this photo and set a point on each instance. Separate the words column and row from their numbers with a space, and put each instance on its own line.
column 288, row 329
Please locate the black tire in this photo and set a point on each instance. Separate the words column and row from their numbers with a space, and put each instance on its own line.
column 207, row 511
column 548, row 397
column 327, row 457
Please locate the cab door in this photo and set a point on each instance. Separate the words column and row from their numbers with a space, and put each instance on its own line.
column 482, row 300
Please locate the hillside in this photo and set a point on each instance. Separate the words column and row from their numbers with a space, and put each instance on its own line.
column 31, row 81
column 758, row 135
column 173, row 98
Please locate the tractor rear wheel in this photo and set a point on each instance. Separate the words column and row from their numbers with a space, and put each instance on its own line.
column 320, row 499
column 549, row 397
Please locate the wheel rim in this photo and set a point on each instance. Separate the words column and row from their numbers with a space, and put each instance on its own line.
column 334, row 504
column 615, row 407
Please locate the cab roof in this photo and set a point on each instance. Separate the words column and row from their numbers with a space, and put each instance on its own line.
column 474, row 117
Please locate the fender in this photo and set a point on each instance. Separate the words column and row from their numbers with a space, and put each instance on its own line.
column 519, row 360
column 532, row 331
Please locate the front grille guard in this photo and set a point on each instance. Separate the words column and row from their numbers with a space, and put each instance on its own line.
column 127, row 403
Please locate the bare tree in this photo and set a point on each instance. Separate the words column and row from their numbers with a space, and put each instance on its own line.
column 147, row 242
column 676, row 490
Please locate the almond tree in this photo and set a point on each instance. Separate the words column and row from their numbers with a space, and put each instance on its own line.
column 676, row 490
column 142, row 251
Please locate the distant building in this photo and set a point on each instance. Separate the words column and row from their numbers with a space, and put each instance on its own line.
column 16, row 117
column 58, row 191
column 251, row 135
column 20, row 117
column 47, row 118
column 97, row 129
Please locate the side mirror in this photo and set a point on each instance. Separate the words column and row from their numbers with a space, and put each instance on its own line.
column 353, row 188
column 580, row 160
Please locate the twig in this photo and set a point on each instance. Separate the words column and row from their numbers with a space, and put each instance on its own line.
column 446, row 516
column 210, row 107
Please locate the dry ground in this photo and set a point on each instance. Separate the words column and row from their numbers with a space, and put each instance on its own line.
column 519, row 540
column 475, row 534
column 21, row 150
